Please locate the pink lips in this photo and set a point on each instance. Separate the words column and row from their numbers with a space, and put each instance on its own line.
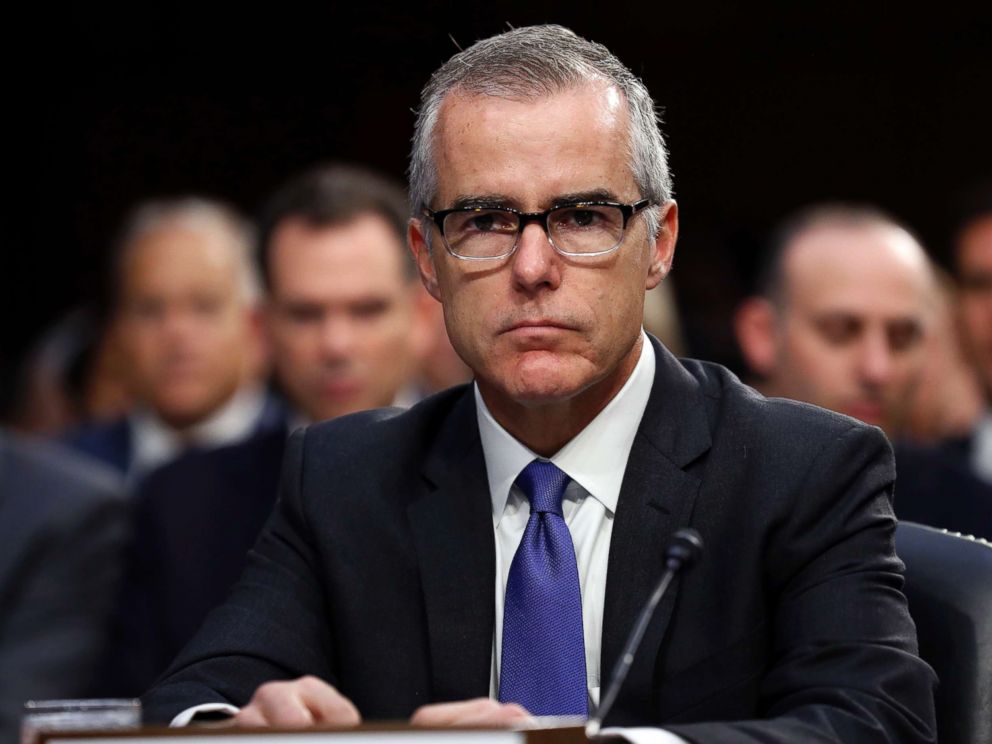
column 537, row 324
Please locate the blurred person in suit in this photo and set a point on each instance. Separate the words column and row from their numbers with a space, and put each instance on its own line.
column 951, row 486
column 348, row 324
column 973, row 267
column 848, row 306
column 949, row 400
column 71, row 374
column 62, row 536
column 845, row 303
column 187, row 326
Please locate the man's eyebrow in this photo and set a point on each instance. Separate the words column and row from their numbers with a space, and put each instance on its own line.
column 483, row 200
column 586, row 196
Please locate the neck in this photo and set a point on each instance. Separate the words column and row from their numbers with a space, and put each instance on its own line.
column 546, row 427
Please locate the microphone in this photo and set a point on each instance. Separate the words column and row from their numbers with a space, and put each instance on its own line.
column 684, row 549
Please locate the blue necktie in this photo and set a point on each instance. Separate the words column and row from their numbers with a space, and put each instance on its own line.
column 544, row 660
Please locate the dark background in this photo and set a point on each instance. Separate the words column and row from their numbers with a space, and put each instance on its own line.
column 767, row 107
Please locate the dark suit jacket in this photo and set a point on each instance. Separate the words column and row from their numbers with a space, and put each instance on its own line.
column 194, row 522
column 937, row 487
column 377, row 570
column 106, row 441
column 62, row 535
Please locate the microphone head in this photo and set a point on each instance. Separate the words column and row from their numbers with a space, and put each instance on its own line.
column 684, row 549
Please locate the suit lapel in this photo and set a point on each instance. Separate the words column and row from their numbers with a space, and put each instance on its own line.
column 656, row 498
column 453, row 535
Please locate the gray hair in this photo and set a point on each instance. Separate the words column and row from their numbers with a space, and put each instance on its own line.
column 198, row 214
column 534, row 61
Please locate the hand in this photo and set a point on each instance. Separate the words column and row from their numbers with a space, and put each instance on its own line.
column 477, row 712
column 300, row 703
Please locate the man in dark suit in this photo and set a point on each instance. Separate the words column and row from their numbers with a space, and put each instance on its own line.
column 951, row 486
column 498, row 540
column 344, row 316
column 62, row 534
column 185, row 320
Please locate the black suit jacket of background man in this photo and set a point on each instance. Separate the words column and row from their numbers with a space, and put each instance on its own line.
column 377, row 571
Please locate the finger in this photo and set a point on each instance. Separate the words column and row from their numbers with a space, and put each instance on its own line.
column 477, row 712
column 280, row 704
column 503, row 714
column 248, row 717
column 326, row 704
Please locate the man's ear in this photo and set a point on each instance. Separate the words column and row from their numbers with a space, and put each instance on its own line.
column 757, row 334
column 663, row 249
column 422, row 255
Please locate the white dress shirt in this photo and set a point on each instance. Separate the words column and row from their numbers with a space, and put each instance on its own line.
column 156, row 443
column 981, row 456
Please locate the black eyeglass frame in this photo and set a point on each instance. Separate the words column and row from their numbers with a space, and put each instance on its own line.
column 525, row 218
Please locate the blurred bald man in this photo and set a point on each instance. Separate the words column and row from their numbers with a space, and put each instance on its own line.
column 186, row 322
column 846, row 300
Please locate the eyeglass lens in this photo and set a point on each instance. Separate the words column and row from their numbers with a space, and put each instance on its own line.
column 493, row 232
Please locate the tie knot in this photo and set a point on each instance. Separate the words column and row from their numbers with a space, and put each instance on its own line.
column 544, row 486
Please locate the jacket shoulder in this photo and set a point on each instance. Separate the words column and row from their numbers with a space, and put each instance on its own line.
column 736, row 410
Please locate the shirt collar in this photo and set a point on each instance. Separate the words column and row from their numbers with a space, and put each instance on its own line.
column 595, row 458
column 155, row 442
column 982, row 451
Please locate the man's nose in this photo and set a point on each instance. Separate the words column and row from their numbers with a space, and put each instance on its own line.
column 337, row 336
column 876, row 362
column 535, row 263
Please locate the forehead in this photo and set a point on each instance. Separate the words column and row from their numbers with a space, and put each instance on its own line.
column 869, row 271
column 534, row 149
column 364, row 254
column 176, row 254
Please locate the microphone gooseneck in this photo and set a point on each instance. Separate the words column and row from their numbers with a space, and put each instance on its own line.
column 684, row 549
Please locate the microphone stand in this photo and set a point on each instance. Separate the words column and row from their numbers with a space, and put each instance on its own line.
column 684, row 549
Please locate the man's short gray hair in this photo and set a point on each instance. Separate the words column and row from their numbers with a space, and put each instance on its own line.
column 527, row 63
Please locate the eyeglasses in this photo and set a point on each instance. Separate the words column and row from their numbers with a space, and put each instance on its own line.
column 591, row 228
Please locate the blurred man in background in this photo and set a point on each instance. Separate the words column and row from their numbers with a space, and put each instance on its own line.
column 973, row 263
column 344, row 311
column 847, row 307
column 62, row 536
column 951, row 486
column 348, row 324
column 186, row 324
column 844, row 306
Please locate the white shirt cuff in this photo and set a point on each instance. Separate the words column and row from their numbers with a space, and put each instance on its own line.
column 189, row 714
column 644, row 735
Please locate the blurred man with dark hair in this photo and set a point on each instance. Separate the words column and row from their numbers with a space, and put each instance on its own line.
column 973, row 267
column 346, row 321
column 951, row 487
column 343, row 309
column 186, row 324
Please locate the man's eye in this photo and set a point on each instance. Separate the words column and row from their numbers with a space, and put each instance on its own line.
column 369, row 309
column 904, row 335
column 579, row 218
column 840, row 330
column 490, row 222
